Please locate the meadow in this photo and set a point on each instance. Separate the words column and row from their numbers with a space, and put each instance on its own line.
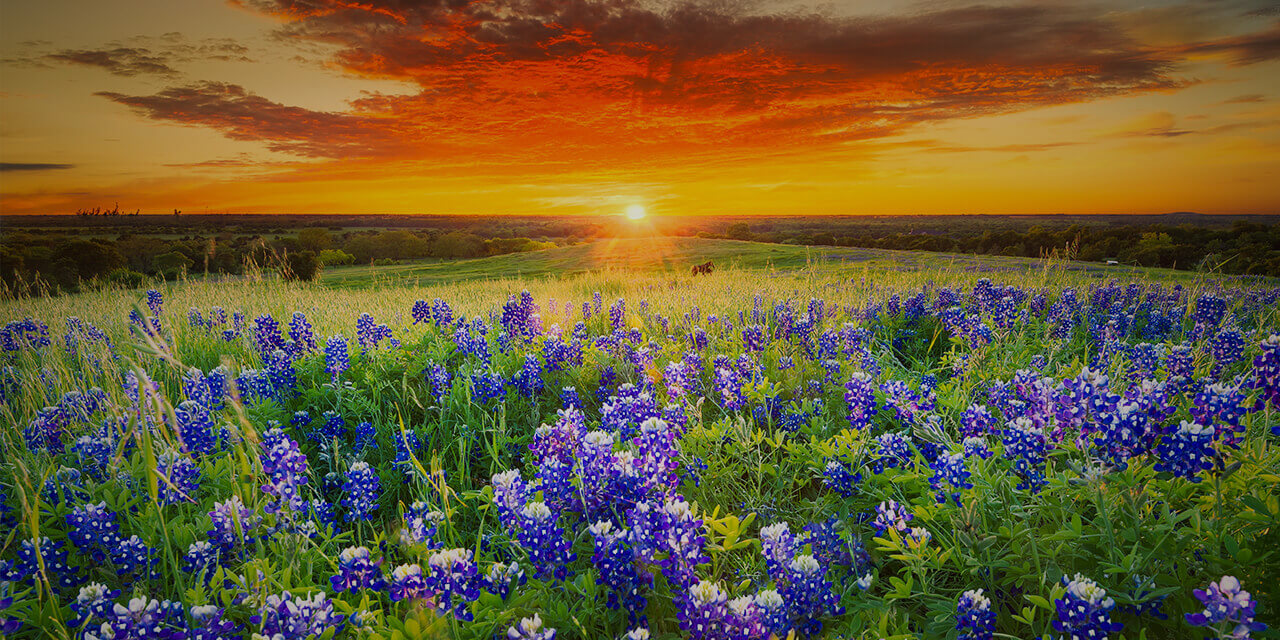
column 588, row 442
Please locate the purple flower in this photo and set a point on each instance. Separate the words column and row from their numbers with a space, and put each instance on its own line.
column 289, row 617
column 809, row 595
column 357, row 571
column 616, row 561
column 93, row 530
column 1186, row 451
column 1084, row 611
column 543, row 539
column 500, row 576
column 453, row 582
column 974, row 618
column 860, row 396
column 1228, row 610
column 703, row 611
column 361, row 492
column 336, row 359
column 407, row 583
column 530, row 629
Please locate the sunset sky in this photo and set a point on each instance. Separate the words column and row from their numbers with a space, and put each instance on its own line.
column 684, row 108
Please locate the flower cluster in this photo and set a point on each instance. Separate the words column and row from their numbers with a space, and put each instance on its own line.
column 1084, row 610
column 1228, row 610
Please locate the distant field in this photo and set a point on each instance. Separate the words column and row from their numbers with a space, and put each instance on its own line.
column 676, row 255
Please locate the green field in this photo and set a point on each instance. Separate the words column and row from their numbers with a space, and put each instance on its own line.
column 677, row 255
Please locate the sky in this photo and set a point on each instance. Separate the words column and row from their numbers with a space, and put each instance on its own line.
column 494, row 107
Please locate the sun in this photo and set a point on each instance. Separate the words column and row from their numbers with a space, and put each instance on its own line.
column 635, row 212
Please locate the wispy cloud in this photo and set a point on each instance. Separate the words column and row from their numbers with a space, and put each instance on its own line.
column 33, row 166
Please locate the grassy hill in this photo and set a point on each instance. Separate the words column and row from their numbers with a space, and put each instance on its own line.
column 676, row 255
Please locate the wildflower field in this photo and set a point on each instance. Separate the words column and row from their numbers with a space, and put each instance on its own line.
column 848, row 452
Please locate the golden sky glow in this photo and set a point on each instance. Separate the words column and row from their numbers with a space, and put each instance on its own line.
column 682, row 108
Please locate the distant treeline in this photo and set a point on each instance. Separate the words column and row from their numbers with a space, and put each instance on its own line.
column 1242, row 248
column 68, row 261
column 63, row 253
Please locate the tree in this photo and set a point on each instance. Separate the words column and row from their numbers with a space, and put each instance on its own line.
column 315, row 239
column 302, row 266
column 330, row 257
column 739, row 231
column 171, row 264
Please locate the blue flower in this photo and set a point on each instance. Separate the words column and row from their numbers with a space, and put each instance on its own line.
column 357, row 571
column 336, row 359
column 616, row 561
column 500, row 576
column 453, row 581
column 1186, row 451
column 290, row 617
column 530, row 629
column 974, row 618
column 360, row 491
column 1084, row 611
column 1228, row 610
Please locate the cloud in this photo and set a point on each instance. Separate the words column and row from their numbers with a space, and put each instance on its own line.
column 540, row 81
column 1252, row 48
column 1246, row 99
column 241, row 115
column 144, row 55
column 33, row 166
column 121, row 61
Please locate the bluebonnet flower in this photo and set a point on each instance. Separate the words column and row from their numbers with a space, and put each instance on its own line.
column 94, row 602
column 1228, row 610
column 779, row 548
column 266, row 336
column 831, row 549
column 201, row 559
column 407, row 445
column 742, row 619
column 143, row 618
column 487, row 385
column 336, row 359
column 1186, row 451
column 65, row 483
column 407, row 583
column 290, row 617
column 839, row 478
column 232, row 525
column 360, row 491
column 774, row 617
column 420, row 524
column 370, row 334
column 46, row 432
column 179, row 478
column 135, row 560
column 1084, row 610
column 453, row 581
column 543, row 539
column 974, row 618
column 949, row 469
column 301, row 334
column 809, row 595
column 1221, row 406
column 195, row 428
column 26, row 569
column 977, row 447
column 616, row 560
column 501, row 575
column 530, row 629
column 669, row 528
column 893, row 450
column 286, row 466
column 210, row 624
column 1125, row 432
column 357, row 571
column 155, row 302
column 1026, row 446
column 365, row 437
column 440, row 379
column 93, row 530
column 703, row 611
column 569, row 398
column 729, row 384
column 1266, row 375
column 529, row 378
column 509, row 496
column 624, row 412
column 976, row 421
column 860, row 396
column 891, row 515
